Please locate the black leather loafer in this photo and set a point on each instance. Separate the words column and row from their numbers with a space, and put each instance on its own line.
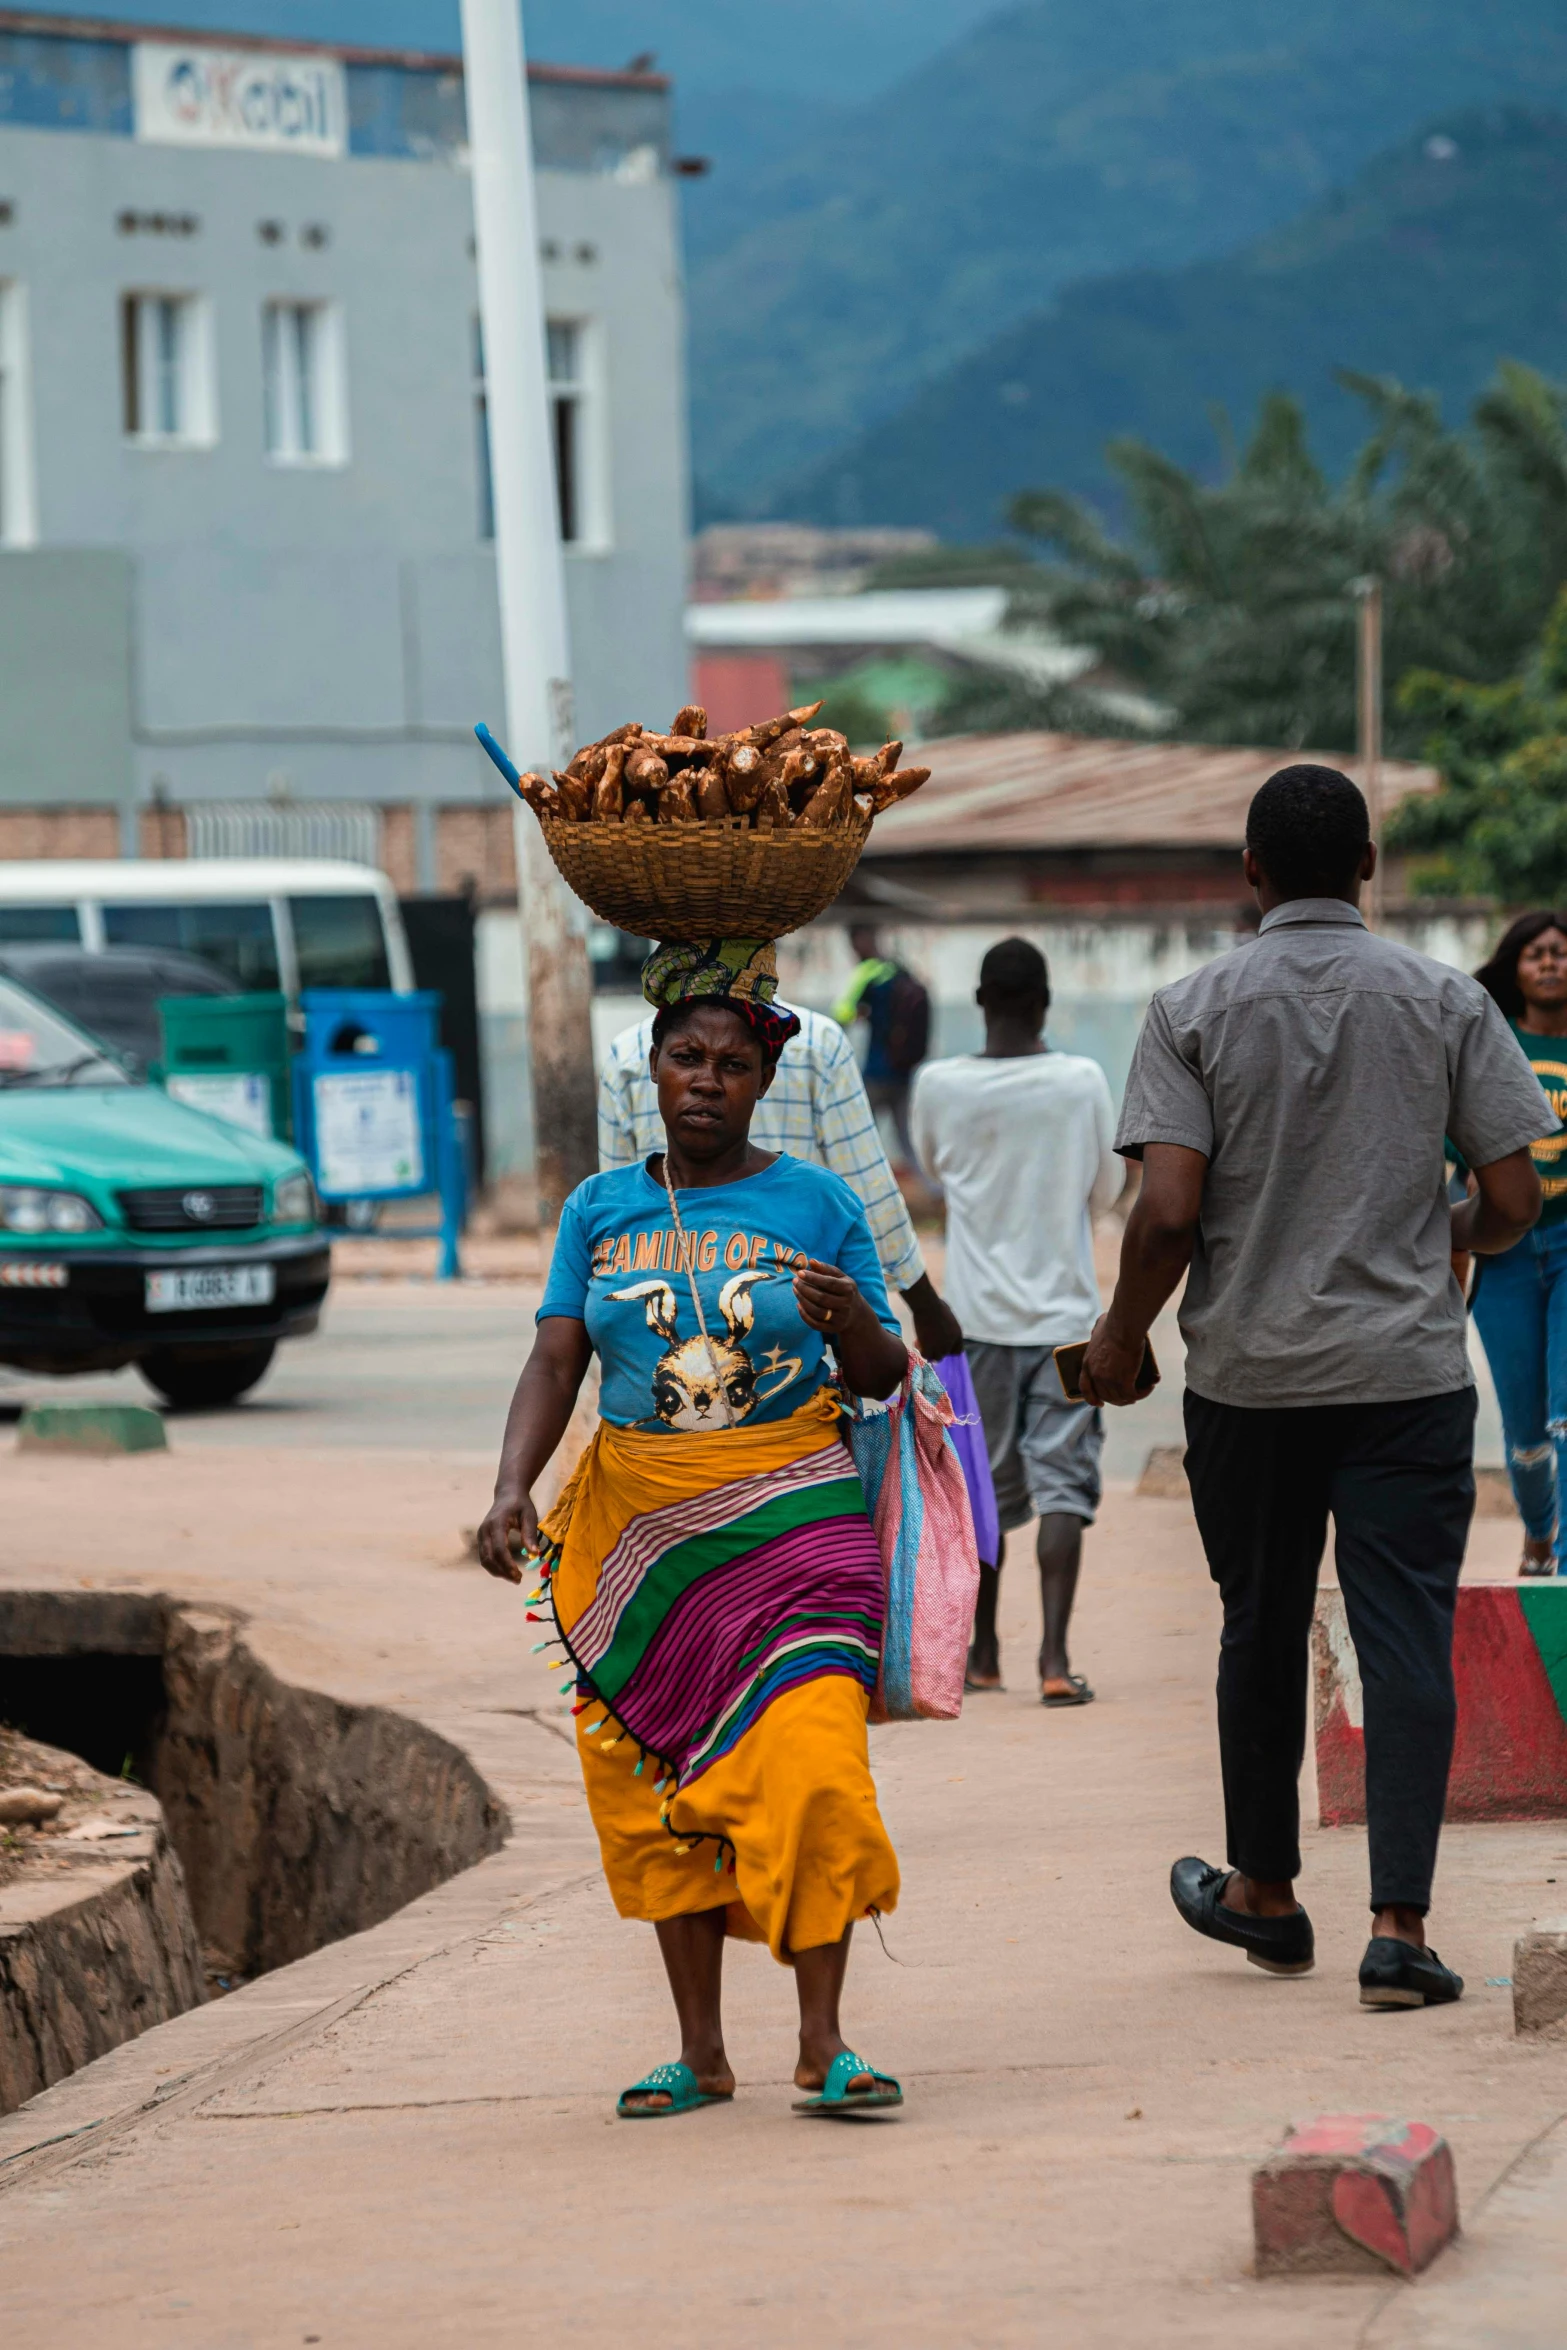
column 1396, row 1974
column 1280, row 1946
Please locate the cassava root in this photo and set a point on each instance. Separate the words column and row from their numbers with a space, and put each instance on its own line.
column 782, row 774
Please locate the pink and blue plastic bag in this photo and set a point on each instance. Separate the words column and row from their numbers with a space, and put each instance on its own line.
column 918, row 1501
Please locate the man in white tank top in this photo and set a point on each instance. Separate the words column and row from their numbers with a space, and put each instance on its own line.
column 1019, row 1137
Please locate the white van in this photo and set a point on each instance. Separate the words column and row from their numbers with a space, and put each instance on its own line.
column 264, row 922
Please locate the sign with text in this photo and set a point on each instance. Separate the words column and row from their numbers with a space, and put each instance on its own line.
column 368, row 1135
column 188, row 95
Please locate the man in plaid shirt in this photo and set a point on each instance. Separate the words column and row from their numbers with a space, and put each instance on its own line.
column 816, row 1110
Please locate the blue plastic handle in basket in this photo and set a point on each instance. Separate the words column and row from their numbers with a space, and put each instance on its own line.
column 500, row 758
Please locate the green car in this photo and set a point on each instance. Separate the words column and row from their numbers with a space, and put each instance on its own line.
column 134, row 1230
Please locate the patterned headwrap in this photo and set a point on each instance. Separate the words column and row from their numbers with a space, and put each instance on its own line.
column 739, row 973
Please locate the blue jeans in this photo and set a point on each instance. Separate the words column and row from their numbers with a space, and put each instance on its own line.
column 1520, row 1311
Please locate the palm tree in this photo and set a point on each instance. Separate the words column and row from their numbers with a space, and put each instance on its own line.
column 1232, row 603
column 1498, row 826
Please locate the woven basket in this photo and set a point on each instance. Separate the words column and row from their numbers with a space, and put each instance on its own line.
column 716, row 878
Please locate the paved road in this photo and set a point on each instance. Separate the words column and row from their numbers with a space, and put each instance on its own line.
column 396, row 1363
column 402, row 1362
column 406, row 2140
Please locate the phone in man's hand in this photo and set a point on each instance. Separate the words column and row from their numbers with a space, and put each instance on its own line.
column 1069, row 1367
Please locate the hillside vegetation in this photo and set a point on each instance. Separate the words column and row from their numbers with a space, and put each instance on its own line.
column 1056, row 141
column 1441, row 257
column 1232, row 603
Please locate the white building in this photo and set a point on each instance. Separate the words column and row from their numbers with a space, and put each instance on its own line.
column 247, row 595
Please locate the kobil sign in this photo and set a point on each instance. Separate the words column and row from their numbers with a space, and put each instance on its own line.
column 188, row 95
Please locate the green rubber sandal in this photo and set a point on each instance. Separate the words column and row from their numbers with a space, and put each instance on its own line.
column 678, row 2083
column 839, row 2100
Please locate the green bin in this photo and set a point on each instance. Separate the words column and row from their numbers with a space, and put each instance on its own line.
column 229, row 1055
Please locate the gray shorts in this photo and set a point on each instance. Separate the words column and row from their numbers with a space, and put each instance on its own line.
column 1044, row 1452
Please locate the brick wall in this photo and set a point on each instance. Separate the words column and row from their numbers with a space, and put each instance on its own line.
column 399, row 850
column 472, row 843
column 162, row 832
column 59, row 832
column 476, row 843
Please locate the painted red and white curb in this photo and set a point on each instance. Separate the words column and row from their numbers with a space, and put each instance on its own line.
column 1354, row 2194
column 1510, row 1664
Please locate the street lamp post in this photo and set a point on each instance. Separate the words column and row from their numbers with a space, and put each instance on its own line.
column 1368, row 682
column 534, row 640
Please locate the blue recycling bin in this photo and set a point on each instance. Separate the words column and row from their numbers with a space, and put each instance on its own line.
column 373, row 1105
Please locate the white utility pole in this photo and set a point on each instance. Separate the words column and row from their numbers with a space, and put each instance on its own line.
column 1368, row 682
column 534, row 639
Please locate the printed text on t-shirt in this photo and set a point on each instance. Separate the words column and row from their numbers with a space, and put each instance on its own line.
column 666, row 1251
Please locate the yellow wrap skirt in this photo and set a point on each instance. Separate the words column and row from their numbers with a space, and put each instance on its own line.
column 721, row 1598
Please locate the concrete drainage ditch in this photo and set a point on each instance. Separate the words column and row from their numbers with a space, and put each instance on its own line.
column 289, row 1819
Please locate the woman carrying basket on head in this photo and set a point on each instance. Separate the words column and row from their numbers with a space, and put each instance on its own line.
column 714, row 1575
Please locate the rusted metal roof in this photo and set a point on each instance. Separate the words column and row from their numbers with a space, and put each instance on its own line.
column 995, row 792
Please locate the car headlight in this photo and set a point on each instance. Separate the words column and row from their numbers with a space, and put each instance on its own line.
column 294, row 1200
column 31, row 1212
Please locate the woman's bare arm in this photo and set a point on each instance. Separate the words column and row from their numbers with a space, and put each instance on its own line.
column 871, row 1358
column 540, row 1411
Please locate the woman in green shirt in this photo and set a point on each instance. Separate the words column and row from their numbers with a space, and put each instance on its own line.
column 1520, row 1302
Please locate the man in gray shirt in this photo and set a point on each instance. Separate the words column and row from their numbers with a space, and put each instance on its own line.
column 1289, row 1103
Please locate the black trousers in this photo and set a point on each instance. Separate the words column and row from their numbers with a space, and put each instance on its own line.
column 1398, row 1479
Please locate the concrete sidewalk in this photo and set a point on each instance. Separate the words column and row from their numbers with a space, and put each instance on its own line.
column 407, row 2139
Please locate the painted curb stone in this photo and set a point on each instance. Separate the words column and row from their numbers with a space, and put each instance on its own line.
column 1164, row 1474
column 1540, row 1980
column 92, row 1427
column 1354, row 2194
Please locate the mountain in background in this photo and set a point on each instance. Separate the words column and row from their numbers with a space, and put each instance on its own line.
column 744, row 77
column 390, row 24
column 897, row 182
column 1445, row 255
column 765, row 48
column 1056, row 141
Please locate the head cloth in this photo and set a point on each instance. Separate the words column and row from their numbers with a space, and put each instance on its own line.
column 741, row 974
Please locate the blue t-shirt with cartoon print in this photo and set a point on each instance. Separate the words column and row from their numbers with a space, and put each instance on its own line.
column 617, row 1267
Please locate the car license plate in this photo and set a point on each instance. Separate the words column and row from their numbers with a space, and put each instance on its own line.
column 207, row 1286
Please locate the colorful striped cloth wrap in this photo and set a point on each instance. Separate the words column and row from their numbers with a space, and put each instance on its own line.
column 695, row 1578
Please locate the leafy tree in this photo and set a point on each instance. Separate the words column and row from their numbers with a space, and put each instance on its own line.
column 877, row 698
column 1498, row 826
column 1007, row 563
column 1233, row 603
column 1001, row 701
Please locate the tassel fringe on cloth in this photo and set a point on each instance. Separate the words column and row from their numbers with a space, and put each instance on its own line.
column 721, row 1600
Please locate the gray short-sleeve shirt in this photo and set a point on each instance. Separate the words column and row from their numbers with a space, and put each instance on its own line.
column 1319, row 1069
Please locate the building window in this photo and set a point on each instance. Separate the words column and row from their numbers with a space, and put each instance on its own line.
column 481, row 436
column 157, row 224
column 565, row 340
column 166, row 370
column 18, row 515
column 302, row 383
column 571, row 425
